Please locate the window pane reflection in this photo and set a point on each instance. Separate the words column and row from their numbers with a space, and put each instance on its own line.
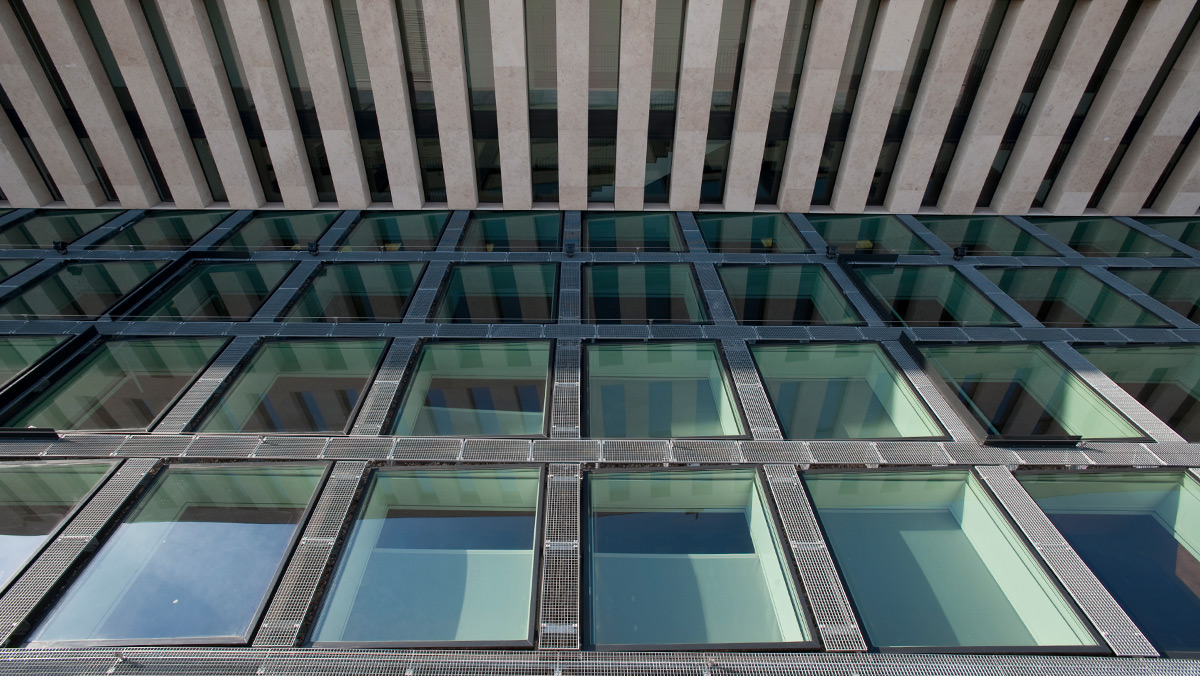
column 373, row 292
column 79, row 290
column 493, row 294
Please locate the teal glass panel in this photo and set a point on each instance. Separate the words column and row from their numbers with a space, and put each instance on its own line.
column 1164, row 378
column 45, row 228
column 687, row 559
column 477, row 389
column 122, row 385
column 1139, row 532
column 79, row 290
column 850, row 391
column 396, row 231
column 513, row 231
column 11, row 267
column 165, row 230
column 495, row 294
column 930, row 296
column 868, row 234
column 1177, row 288
column 631, row 231
column 1070, row 298
column 659, row 390
column 750, row 233
column 1022, row 391
column 18, row 353
column 785, row 295
column 985, row 236
column 298, row 386
column 291, row 230
column 638, row 293
column 194, row 561
column 458, row 544
column 1103, row 237
column 1185, row 230
column 219, row 291
column 931, row 562
column 349, row 292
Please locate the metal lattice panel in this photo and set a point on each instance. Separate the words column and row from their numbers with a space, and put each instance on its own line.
column 366, row 448
column 223, row 446
column 421, row 303
column 913, row 453
column 1051, row 456
column 150, row 446
column 379, row 398
column 558, row 623
column 706, row 450
column 86, row 445
column 433, row 448
column 844, row 453
column 300, row 448
column 636, row 450
column 189, row 405
column 1177, row 455
column 497, row 449
column 1120, row 454
column 971, row 453
column 790, row 452
column 566, row 450
column 759, row 413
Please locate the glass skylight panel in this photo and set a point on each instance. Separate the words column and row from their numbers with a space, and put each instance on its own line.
column 986, row 236
column 882, row 234
column 1103, row 237
column 750, row 233
column 218, row 291
column 513, row 231
column 502, row 293
column 930, row 295
column 1140, row 534
column 79, row 290
column 638, row 293
column 631, row 231
column 18, row 353
column 9, row 268
column 785, row 295
column 1185, row 230
column 349, row 292
column 194, row 562
column 1070, row 297
column 659, row 390
column 497, row 388
column 45, row 228
column 122, row 385
column 165, row 230
column 1177, row 288
column 849, row 391
column 687, row 559
column 396, row 231
column 1164, row 378
column 438, row 556
column 287, row 230
column 298, row 386
column 931, row 562
column 1022, row 391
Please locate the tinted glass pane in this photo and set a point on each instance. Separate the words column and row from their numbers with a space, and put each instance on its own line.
column 640, row 293
column 217, row 291
column 986, row 236
column 659, row 390
column 841, row 392
column 194, row 560
column 490, row 294
column 477, row 389
column 280, row 230
column 868, row 235
column 79, row 290
column 1069, row 297
column 686, row 558
column 347, row 292
column 785, row 295
column 1022, row 391
column 1103, row 237
column 1166, row 379
column 1186, row 230
column 122, row 385
column 1178, row 289
column 18, row 353
column 47, row 227
column 631, row 232
column 458, row 544
column 397, row 231
column 931, row 561
column 12, row 267
column 513, row 231
column 930, row 296
column 750, row 233
column 298, row 386
column 165, row 230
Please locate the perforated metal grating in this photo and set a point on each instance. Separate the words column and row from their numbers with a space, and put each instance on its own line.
column 385, row 388
column 189, row 405
column 558, row 623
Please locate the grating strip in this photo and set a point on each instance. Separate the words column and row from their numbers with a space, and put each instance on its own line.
column 753, row 396
column 497, row 449
column 378, row 402
column 182, row 413
column 421, row 303
column 929, row 392
column 559, row 615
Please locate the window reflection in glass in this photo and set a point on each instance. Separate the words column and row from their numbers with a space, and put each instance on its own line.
column 218, row 291
column 868, row 235
column 18, row 353
column 750, row 233
column 986, row 236
column 1177, row 288
column 371, row 292
column 292, row 230
column 513, row 231
column 493, row 294
column 1103, row 237
column 1164, row 378
column 631, row 231
column 396, row 231
column 1186, row 230
column 45, row 228
column 1069, row 297
column 638, row 293
column 165, row 230
column 930, row 296
column 11, row 267
column 79, row 290
column 785, row 295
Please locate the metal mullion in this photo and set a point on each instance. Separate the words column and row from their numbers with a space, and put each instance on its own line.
column 558, row 617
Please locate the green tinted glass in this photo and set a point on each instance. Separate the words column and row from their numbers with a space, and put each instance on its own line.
column 477, row 389
column 659, row 390
column 396, row 231
column 750, row 233
column 1103, row 237
column 11, row 267
column 457, row 543
column 165, row 230
column 986, row 236
column 513, row 231
column 638, row 293
column 930, row 295
column 1178, row 289
column 1022, row 391
column 280, row 230
column 931, row 562
column 122, row 385
column 868, row 234
column 493, row 294
column 79, row 290
column 298, row 386
column 18, row 353
column 785, row 295
column 1165, row 379
column 1186, row 230
column 218, row 291
column 47, row 227
column 648, row 231
column 1069, row 297
column 347, row 292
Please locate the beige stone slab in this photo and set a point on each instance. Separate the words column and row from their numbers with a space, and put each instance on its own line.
column 693, row 103
column 512, row 101
column 19, row 178
column 1180, row 194
column 572, row 19
column 443, row 34
column 633, row 102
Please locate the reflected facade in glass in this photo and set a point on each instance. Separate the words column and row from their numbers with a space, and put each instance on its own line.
column 496, row 294
column 785, row 295
column 631, row 231
column 1164, row 378
column 1070, row 298
column 291, row 230
column 639, row 293
column 868, row 234
column 1103, row 237
column 1177, row 288
column 1184, row 230
column 353, row 292
column 164, row 230
column 217, row 292
column 513, row 231
column 929, row 295
column 79, row 290
column 396, row 231
column 12, row 267
column 750, row 233
column 985, row 236
column 18, row 353
column 44, row 228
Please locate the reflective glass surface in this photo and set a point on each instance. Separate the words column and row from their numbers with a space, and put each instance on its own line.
column 985, row 236
column 1069, row 297
column 165, row 230
column 785, row 295
column 45, row 228
column 868, row 234
column 18, row 353
column 659, row 390
column 477, row 389
column 218, row 291
column 1186, row 230
column 930, row 295
column 513, row 231
column 633, row 231
column 931, row 561
column 11, row 267
column 396, row 231
column 750, row 233
column 851, row 391
column 638, row 293
column 1178, row 289
column 458, row 544
column 298, row 386
column 195, row 559
column 122, row 385
column 492, row 294
column 347, row 292
column 1165, row 379
column 686, row 559
column 79, row 290
column 1103, row 237
column 280, row 230
column 1023, row 391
